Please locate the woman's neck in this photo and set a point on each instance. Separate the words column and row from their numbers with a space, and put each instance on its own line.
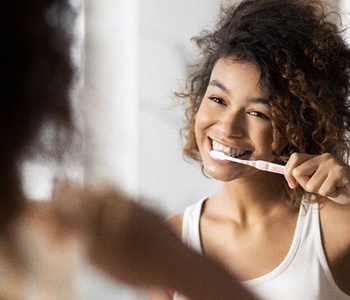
column 252, row 198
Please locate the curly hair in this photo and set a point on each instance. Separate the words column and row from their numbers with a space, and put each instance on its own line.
column 304, row 64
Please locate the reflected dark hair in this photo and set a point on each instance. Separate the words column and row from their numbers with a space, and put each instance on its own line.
column 36, row 76
column 304, row 64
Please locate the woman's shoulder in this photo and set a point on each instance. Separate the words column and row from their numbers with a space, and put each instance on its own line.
column 335, row 216
column 175, row 221
column 335, row 228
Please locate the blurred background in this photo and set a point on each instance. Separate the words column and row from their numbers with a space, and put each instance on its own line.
column 135, row 58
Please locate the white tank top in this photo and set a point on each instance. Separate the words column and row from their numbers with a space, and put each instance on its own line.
column 303, row 274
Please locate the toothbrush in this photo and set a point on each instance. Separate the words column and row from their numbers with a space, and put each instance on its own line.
column 259, row 164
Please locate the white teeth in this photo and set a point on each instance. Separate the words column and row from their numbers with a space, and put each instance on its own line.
column 228, row 151
column 237, row 153
column 219, row 147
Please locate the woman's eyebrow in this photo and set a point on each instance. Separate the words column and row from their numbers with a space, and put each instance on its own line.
column 259, row 101
column 225, row 89
column 220, row 85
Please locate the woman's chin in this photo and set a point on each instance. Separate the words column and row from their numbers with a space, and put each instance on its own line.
column 221, row 175
column 231, row 173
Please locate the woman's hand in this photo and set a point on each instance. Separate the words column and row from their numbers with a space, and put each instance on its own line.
column 320, row 174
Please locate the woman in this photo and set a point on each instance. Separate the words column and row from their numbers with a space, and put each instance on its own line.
column 272, row 84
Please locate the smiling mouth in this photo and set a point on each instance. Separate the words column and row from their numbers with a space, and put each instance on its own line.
column 236, row 153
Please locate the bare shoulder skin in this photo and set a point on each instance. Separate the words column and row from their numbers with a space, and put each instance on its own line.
column 335, row 228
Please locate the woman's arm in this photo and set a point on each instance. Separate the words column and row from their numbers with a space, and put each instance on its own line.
column 132, row 244
column 159, row 293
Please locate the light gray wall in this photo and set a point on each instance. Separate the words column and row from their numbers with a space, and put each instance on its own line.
column 132, row 128
column 165, row 29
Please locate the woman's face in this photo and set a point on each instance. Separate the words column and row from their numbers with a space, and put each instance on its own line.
column 234, row 117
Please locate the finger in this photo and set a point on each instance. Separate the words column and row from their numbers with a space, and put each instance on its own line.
column 296, row 169
column 341, row 196
column 326, row 181
column 295, row 160
column 334, row 194
column 301, row 168
column 332, row 187
column 315, row 182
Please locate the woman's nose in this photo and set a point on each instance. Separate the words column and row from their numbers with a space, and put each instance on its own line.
column 232, row 124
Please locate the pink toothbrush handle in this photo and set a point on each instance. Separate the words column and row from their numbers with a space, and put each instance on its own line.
column 270, row 167
column 259, row 164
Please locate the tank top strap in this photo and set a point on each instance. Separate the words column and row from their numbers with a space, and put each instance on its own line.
column 190, row 226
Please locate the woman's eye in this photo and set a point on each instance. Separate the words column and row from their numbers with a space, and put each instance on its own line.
column 217, row 100
column 258, row 114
